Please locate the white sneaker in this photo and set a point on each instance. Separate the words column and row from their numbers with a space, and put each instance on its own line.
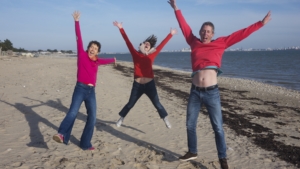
column 168, row 124
column 120, row 121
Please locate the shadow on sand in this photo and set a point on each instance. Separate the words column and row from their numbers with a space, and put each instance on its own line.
column 37, row 139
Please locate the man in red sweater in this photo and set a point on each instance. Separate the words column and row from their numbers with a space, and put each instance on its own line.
column 206, row 59
column 143, row 73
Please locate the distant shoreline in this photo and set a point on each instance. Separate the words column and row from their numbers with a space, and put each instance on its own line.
column 244, row 81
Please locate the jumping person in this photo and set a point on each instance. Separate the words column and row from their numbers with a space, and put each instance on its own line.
column 87, row 68
column 143, row 83
column 206, row 59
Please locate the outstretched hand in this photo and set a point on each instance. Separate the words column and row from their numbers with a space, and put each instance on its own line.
column 76, row 15
column 173, row 31
column 173, row 4
column 115, row 61
column 117, row 24
column 267, row 18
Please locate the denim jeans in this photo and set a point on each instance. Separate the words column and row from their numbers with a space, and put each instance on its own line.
column 86, row 94
column 137, row 91
column 211, row 100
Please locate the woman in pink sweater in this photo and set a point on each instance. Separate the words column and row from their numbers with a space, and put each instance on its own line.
column 87, row 68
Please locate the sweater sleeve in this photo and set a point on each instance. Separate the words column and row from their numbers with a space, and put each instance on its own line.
column 242, row 34
column 78, row 38
column 185, row 28
column 164, row 42
column 105, row 61
column 128, row 43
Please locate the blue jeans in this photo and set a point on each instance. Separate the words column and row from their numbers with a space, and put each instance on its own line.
column 137, row 91
column 211, row 100
column 86, row 94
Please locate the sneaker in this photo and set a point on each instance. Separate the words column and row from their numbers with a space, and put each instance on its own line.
column 91, row 149
column 168, row 124
column 188, row 156
column 223, row 163
column 58, row 138
column 120, row 121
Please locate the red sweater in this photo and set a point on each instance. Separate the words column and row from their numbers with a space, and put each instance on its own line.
column 210, row 54
column 143, row 63
column 86, row 68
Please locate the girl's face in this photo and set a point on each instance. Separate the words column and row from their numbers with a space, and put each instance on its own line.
column 93, row 52
column 147, row 46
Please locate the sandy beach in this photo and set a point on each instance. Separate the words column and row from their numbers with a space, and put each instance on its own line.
column 261, row 122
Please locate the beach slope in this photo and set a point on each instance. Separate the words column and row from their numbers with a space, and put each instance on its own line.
column 261, row 122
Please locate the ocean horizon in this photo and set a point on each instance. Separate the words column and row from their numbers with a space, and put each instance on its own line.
column 279, row 68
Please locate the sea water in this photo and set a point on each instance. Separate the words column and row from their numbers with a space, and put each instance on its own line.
column 277, row 67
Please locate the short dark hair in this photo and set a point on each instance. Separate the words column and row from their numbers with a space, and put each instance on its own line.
column 208, row 24
column 152, row 40
column 96, row 43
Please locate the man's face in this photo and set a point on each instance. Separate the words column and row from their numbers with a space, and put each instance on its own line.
column 93, row 50
column 206, row 34
column 147, row 46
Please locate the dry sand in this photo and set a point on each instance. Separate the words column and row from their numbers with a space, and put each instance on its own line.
column 261, row 122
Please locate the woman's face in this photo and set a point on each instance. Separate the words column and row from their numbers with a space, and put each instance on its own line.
column 93, row 52
column 147, row 46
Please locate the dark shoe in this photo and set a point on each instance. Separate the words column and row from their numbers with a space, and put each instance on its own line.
column 223, row 163
column 188, row 156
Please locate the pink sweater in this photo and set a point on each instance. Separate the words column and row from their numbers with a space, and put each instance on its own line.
column 210, row 54
column 86, row 68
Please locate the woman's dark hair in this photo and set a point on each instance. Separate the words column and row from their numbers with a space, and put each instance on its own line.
column 152, row 40
column 96, row 43
column 208, row 24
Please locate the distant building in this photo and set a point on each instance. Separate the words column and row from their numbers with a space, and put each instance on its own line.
column 186, row 50
column 45, row 53
column 27, row 54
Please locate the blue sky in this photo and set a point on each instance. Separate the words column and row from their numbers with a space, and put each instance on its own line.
column 48, row 24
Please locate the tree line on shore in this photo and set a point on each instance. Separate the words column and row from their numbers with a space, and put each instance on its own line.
column 7, row 45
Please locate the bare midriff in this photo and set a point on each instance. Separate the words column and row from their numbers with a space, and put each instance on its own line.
column 205, row 78
column 143, row 80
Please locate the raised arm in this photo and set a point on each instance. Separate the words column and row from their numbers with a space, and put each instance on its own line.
column 185, row 28
column 125, row 37
column 244, row 33
column 76, row 16
column 165, row 41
